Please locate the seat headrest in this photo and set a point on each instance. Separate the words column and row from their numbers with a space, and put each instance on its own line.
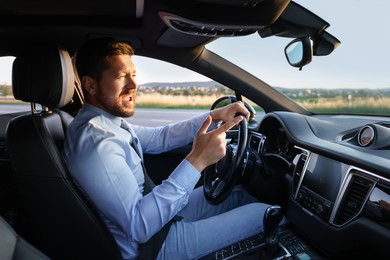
column 43, row 75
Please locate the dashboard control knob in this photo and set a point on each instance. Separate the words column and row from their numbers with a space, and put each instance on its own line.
column 319, row 209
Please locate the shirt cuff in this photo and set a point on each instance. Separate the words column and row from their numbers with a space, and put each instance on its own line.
column 186, row 175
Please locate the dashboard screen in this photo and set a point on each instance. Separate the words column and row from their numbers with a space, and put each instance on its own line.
column 324, row 176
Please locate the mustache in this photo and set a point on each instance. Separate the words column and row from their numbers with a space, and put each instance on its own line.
column 128, row 92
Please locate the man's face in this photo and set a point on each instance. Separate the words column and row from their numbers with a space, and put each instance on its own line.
column 117, row 87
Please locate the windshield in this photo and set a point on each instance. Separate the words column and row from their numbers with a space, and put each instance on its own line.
column 353, row 79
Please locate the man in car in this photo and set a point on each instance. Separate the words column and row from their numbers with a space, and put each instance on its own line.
column 101, row 153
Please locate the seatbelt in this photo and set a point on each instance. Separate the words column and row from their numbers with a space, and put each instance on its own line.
column 150, row 249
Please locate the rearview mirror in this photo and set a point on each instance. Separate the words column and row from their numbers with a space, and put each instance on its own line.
column 299, row 52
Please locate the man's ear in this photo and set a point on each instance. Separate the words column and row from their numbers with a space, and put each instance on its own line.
column 89, row 85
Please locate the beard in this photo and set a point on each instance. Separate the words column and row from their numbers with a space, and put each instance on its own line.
column 116, row 107
column 120, row 111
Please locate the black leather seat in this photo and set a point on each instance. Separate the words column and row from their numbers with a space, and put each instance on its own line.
column 64, row 224
column 14, row 247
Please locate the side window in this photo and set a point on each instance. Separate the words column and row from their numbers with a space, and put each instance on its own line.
column 168, row 93
column 8, row 104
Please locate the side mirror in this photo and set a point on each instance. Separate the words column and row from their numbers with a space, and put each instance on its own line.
column 299, row 52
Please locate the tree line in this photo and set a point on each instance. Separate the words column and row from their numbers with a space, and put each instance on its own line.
column 296, row 94
column 5, row 90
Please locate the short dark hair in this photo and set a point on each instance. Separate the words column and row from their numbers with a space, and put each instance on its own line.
column 91, row 57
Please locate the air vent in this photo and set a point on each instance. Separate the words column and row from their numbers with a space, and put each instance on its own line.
column 256, row 142
column 354, row 199
column 298, row 171
column 349, row 136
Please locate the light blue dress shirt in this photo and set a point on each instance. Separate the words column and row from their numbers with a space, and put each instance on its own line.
column 109, row 171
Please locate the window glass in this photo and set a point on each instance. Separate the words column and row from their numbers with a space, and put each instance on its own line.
column 8, row 104
column 164, row 87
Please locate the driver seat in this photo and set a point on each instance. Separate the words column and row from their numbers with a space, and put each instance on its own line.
column 64, row 224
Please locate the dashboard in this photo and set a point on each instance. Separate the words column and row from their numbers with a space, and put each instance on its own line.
column 338, row 174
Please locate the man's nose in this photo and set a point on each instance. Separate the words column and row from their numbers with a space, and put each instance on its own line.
column 131, row 83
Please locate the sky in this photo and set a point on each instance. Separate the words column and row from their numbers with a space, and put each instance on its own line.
column 361, row 60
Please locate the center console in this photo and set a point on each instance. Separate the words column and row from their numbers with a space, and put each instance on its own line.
column 343, row 210
column 290, row 246
column 275, row 242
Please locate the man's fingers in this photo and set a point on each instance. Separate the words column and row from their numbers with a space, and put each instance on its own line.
column 227, row 126
column 205, row 125
column 246, row 115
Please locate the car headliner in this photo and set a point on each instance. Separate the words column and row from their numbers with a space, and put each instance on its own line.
column 170, row 30
column 140, row 22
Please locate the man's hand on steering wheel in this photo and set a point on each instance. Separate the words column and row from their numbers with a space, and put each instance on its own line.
column 210, row 147
column 210, row 153
column 220, row 178
column 229, row 112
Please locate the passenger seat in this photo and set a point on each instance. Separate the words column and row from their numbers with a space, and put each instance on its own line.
column 14, row 247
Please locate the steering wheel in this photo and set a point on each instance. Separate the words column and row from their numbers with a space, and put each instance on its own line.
column 220, row 178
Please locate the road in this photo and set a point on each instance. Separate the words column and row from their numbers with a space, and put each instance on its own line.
column 158, row 117
column 142, row 116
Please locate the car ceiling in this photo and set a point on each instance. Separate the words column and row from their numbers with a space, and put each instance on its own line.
column 130, row 9
column 146, row 24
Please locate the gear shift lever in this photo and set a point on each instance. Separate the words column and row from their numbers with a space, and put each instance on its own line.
column 272, row 217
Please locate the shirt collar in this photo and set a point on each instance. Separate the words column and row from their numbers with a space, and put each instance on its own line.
column 98, row 111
